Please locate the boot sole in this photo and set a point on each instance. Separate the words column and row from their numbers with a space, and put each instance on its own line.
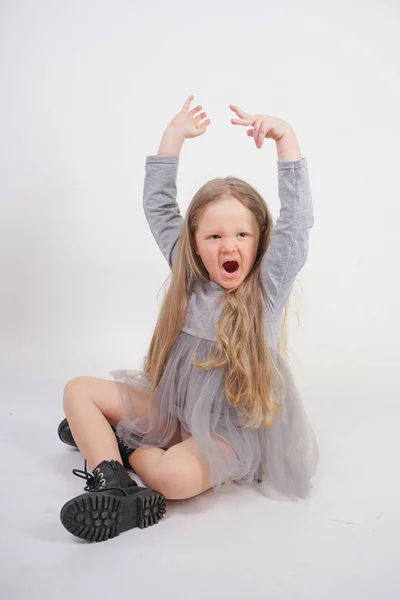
column 96, row 517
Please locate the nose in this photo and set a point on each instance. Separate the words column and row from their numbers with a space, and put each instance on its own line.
column 228, row 247
column 230, row 252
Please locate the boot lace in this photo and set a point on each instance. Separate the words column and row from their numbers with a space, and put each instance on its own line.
column 95, row 481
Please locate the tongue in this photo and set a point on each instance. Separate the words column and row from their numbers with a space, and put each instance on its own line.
column 230, row 266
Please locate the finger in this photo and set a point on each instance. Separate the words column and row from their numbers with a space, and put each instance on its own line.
column 201, row 127
column 245, row 122
column 195, row 110
column 242, row 114
column 201, row 116
column 257, row 125
column 188, row 101
column 262, row 130
column 204, row 125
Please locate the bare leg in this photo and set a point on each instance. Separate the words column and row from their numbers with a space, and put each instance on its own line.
column 112, row 503
column 91, row 406
column 178, row 472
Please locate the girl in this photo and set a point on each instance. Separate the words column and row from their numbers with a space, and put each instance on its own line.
column 215, row 401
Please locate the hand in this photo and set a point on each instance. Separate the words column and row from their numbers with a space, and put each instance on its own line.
column 187, row 124
column 264, row 126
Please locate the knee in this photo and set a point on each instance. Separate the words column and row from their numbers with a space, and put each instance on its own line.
column 75, row 390
column 174, row 480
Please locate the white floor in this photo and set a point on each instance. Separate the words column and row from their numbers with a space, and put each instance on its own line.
column 341, row 543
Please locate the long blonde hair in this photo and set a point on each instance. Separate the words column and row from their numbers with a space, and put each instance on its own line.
column 241, row 345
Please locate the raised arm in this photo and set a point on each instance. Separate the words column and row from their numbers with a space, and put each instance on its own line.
column 159, row 203
column 288, row 247
column 159, row 195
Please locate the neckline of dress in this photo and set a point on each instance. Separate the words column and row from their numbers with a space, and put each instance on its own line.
column 215, row 286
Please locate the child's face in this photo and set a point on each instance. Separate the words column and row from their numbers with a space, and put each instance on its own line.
column 227, row 231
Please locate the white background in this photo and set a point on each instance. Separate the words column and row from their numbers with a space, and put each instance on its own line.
column 87, row 89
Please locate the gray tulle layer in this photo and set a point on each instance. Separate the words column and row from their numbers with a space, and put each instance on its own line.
column 285, row 454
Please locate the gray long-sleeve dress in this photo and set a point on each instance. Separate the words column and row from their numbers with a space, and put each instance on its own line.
column 285, row 454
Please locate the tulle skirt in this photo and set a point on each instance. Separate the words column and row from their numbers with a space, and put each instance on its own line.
column 285, row 454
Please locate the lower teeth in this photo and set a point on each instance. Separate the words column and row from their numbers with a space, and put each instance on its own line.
column 230, row 272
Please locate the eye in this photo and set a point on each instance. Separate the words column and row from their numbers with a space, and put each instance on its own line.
column 216, row 234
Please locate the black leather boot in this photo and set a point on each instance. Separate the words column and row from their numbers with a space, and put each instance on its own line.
column 65, row 435
column 113, row 503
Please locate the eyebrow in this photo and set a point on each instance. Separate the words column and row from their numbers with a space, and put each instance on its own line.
column 219, row 229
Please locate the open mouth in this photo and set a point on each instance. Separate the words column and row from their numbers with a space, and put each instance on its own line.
column 230, row 268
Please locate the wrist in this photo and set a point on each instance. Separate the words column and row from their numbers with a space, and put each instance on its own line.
column 171, row 142
column 288, row 148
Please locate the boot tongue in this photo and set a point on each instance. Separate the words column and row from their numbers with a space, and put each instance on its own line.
column 111, row 474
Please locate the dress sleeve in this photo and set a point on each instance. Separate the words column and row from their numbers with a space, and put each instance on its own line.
column 288, row 247
column 160, row 205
